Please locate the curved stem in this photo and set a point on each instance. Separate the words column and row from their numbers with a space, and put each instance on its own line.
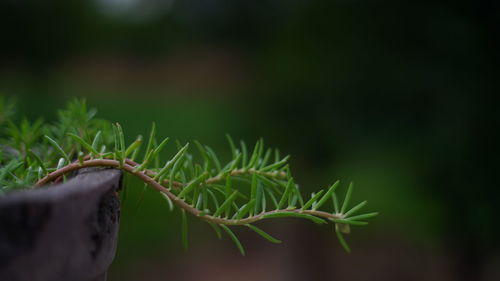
column 211, row 180
column 147, row 178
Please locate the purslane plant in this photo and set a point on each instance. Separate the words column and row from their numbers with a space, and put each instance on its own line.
column 253, row 185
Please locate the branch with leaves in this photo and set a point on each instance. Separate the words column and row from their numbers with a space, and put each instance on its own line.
column 253, row 185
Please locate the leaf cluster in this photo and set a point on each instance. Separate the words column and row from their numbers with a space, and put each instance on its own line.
column 255, row 184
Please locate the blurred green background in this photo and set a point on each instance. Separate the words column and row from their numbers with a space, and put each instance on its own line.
column 397, row 96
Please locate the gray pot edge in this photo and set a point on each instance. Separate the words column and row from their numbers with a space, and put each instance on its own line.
column 61, row 232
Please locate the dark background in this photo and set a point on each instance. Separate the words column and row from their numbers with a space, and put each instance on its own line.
column 398, row 96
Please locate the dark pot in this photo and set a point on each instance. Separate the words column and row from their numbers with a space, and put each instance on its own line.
column 65, row 232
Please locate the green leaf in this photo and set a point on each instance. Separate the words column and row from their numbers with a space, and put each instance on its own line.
column 267, row 155
column 275, row 165
column 234, row 152
column 184, row 230
column 287, row 192
column 299, row 196
column 362, row 217
column 295, row 215
column 169, row 201
column 253, row 187
column 144, row 165
column 121, row 137
column 260, row 200
column 255, row 154
column 342, row 240
column 213, row 157
column 267, row 181
column 171, row 162
column 326, row 196
column 273, row 198
column 58, row 148
column 244, row 209
column 152, row 135
column 335, row 203
column 160, row 147
column 199, row 202
column 227, row 192
column 347, row 198
column 263, row 234
column 312, row 200
column 234, row 238
column 186, row 190
column 214, row 198
column 216, row 229
column 38, row 160
column 350, row 222
column 116, row 137
column 136, row 150
column 204, row 154
column 133, row 147
column 10, row 167
column 234, row 163
column 97, row 140
column 226, row 204
column 355, row 209
column 244, row 152
column 174, row 170
column 85, row 144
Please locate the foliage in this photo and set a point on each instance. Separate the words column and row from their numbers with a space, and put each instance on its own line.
column 253, row 185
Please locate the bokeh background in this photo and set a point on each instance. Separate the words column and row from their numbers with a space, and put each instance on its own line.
column 397, row 96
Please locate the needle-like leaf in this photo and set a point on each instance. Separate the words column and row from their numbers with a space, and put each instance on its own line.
column 350, row 222
column 234, row 238
column 311, row 201
column 347, row 198
column 326, row 196
column 83, row 143
column 267, row 155
column 171, row 162
column 227, row 192
column 160, row 147
column 186, row 190
column 216, row 229
column 275, row 165
column 335, row 203
column 355, row 209
column 234, row 152
column 263, row 234
column 253, row 188
column 362, row 217
column 226, row 204
column 293, row 214
column 341, row 239
column 97, row 140
column 257, row 153
column 287, row 192
column 58, row 148
column 273, row 198
column 244, row 152
column 133, row 147
column 169, row 201
column 38, row 160
column 213, row 157
column 121, row 137
column 244, row 209
column 152, row 135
